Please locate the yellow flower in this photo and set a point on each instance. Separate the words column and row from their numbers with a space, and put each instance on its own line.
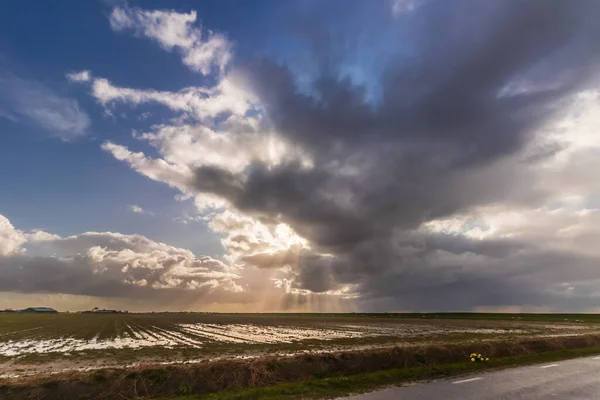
column 472, row 359
column 487, row 359
column 478, row 355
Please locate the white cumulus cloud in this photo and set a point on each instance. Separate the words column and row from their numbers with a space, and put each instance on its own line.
column 81, row 76
column 197, row 102
column 155, row 169
column 139, row 210
column 171, row 29
column 11, row 239
column 108, row 264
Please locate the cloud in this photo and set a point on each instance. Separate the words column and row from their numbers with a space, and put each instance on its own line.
column 176, row 30
column 455, row 183
column 8, row 115
column 139, row 210
column 144, row 116
column 288, row 257
column 32, row 103
column 200, row 103
column 10, row 238
column 400, row 7
column 245, row 236
column 155, row 169
column 108, row 264
column 39, row 236
column 81, row 76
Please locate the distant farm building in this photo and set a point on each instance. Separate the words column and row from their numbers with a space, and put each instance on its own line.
column 39, row 310
column 99, row 311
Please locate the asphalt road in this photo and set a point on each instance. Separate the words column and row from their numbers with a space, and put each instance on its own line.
column 566, row 380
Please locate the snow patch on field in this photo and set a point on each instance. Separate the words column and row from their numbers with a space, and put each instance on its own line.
column 197, row 335
column 247, row 333
column 161, row 338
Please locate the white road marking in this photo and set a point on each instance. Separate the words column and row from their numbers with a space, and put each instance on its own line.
column 549, row 366
column 467, row 380
column 596, row 358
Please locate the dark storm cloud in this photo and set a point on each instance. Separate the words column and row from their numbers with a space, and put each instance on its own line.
column 457, row 244
column 448, row 92
column 288, row 191
column 538, row 279
column 444, row 137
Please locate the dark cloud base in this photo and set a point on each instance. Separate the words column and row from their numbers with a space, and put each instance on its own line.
column 436, row 144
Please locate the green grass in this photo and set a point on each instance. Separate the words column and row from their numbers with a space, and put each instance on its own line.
column 339, row 386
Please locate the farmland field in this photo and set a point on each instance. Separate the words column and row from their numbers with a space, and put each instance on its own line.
column 33, row 343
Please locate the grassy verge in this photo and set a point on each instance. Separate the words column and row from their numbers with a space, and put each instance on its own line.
column 361, row 383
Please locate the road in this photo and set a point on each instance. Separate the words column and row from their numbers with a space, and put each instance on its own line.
column 568, row 380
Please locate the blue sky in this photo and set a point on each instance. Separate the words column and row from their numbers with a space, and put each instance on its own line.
column 300, row 155
column 74, row 187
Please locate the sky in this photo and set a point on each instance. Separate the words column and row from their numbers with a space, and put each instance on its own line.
column 265, row 155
